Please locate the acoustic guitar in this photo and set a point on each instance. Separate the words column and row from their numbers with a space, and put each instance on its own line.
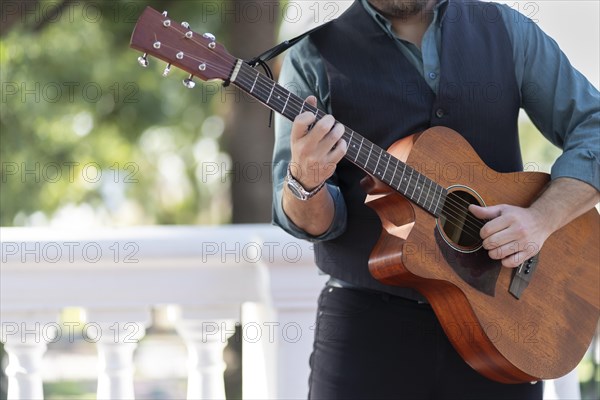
column 532, row 322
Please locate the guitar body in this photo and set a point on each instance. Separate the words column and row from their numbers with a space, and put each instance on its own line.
column 541, row 335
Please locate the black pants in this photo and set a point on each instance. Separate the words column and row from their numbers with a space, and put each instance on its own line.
column 374, row 346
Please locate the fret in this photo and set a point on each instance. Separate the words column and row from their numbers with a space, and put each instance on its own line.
column 409, row 180
column 386, row 166
column 394, row 174
column 427, row 195
column 254, row 84
column 350, row 141
column 369, row 156
column 270, row 94
column 362, row 139
column 438, row 201
column 420, row 190
column 400, row 181
column 416, row 185
column 258, row 92
column 302, row 108
column 293, row 107
column 286, row 102
column 377, row 164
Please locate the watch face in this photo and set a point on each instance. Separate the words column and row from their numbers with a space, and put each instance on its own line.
column 295, row 190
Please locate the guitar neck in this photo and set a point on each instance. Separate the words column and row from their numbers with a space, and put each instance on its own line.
column 361, row 152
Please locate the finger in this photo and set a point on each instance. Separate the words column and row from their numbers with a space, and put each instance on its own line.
column 301, row 125
column 311, row 100
column 516, row 259
column 485, row 212
column 338, row 152
column 322, row 128
column 504, row 251
column 513, row 254
column 333, row 136
column 497, row 239
column 309, row 106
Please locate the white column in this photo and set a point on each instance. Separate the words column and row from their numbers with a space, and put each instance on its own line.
column 116, row 334
column 275, row 363
column 23, row 370
column 205, row 340
column 25, row 336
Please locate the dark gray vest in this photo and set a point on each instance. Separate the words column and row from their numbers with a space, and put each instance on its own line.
column 377, row 92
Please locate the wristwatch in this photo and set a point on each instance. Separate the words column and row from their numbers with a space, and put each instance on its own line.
column 297, row 189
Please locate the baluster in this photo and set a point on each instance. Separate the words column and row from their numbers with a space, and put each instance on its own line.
column 23, row 370
column 205, row 340
column 26, row 338
column 116, row 339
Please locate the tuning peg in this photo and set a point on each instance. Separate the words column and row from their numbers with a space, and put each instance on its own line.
column 167, row 70
column 188, row 82
column 186, row 25
column 164, row 13
column 212, row 39
column 143, row 60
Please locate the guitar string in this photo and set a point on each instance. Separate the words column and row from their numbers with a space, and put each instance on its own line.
column 243, row 73
column 470, row 226
column 457, row 220
column 473, row 224
column 451, row 202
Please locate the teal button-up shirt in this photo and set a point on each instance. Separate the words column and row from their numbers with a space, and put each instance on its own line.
column 560, row 101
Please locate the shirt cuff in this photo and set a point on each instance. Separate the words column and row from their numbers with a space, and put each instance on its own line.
column 338, row 225
column 581, row 164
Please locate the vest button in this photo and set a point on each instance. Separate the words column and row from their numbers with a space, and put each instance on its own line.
column 439, row 113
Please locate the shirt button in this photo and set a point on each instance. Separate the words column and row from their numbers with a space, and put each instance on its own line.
column 432, row 75
column 439, row 113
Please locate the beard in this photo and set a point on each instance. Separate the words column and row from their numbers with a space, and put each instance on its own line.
column 399, row 8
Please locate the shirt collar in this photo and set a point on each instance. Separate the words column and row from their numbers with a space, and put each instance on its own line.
column 386, row 25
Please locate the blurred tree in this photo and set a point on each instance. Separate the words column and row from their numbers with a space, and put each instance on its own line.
column 249, row 139
column 88, row 137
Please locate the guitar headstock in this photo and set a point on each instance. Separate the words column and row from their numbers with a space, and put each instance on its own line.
column 199, row 54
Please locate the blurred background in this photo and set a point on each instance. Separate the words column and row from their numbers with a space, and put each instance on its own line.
column 90, row 139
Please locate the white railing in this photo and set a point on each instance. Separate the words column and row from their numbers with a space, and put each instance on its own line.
column 255, row 275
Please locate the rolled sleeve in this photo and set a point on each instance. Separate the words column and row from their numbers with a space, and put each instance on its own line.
column 560, row 101
column 303, row 74
column 337, row 227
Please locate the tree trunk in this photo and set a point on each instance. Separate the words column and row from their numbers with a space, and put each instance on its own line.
column 250, row 140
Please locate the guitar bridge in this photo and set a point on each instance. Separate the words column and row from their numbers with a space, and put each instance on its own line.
column 522, row 276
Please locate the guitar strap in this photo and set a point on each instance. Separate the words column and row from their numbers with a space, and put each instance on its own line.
column 273, row 52
column 281, row 47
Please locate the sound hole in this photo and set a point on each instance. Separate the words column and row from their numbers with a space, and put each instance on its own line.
column 459, row 228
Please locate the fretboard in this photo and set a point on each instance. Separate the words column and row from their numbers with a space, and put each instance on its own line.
column 361, row 152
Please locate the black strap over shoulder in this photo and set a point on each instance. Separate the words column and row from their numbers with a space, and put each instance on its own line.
column 274, row 52
column 280, row 48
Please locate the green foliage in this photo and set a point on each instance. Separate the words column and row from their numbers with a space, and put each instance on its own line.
column 88, row 135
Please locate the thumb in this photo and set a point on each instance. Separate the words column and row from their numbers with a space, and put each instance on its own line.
column 485, row 212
